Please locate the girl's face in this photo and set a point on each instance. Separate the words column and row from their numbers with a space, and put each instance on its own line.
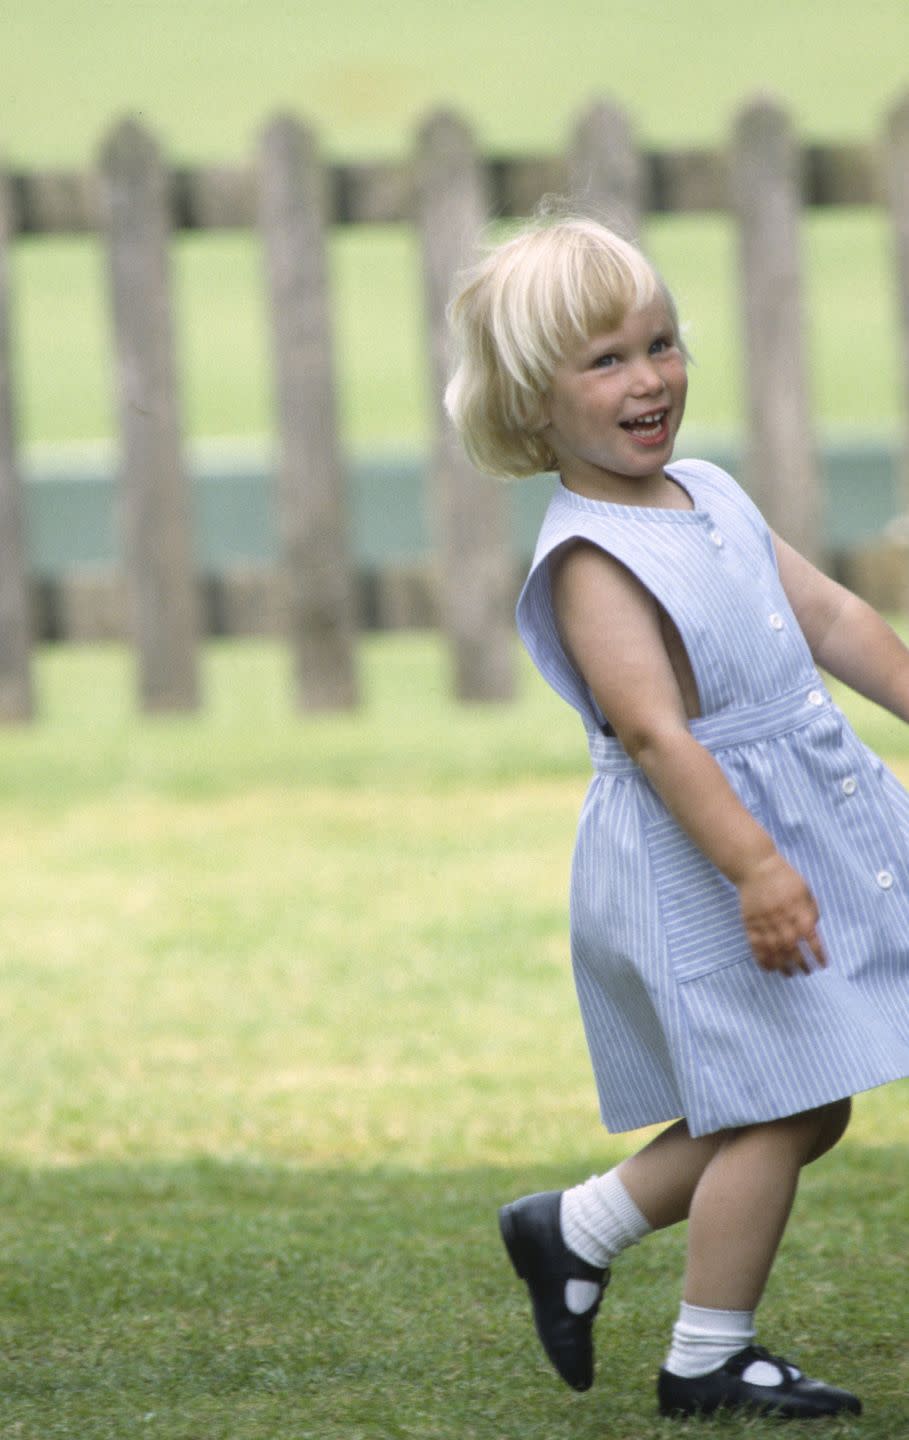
column 614, row 408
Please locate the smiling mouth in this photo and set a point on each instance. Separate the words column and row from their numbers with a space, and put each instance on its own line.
column 647, row 427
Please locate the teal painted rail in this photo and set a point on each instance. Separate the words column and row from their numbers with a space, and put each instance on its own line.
column 71, row 504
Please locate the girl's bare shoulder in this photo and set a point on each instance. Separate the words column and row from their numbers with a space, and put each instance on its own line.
column 581, row 570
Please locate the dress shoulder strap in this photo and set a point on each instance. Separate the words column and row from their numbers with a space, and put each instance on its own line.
column 535, row 614
column 570, row 518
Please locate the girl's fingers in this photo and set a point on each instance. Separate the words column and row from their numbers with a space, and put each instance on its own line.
column 806, row 956
column 777, row 962
column 813, row 945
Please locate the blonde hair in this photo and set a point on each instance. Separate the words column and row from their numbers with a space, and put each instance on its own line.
column 515, row 314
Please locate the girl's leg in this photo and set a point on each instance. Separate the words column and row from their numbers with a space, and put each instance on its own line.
column 662, row 1177
column 562, row 1243
column 742, row 1201
column 736, row 1220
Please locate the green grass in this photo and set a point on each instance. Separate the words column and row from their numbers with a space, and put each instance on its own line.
column 286, row 1014
column 235, row 1302
column 205, row 77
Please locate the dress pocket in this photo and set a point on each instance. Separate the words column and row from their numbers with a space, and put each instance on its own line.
column 699, row 907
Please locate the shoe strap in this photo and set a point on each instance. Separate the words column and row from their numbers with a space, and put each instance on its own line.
column 738, row 1363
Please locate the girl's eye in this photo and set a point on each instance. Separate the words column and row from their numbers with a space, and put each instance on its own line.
column 604, row 362
column 665, row 342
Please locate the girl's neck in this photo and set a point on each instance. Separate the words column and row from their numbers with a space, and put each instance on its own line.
column 656, row 492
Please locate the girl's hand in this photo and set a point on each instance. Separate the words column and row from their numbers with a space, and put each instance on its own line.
column 780, row 915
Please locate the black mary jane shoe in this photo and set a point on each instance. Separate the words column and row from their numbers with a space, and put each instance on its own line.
column 792, row 1397
column 533, row 1238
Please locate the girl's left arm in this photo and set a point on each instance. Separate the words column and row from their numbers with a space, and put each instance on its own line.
column 845, row 635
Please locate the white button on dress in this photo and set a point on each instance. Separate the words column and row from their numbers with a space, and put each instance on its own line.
column 717, row 538
column 884, row 879
column 849, row 786
column 815, row 697
column 776, row 621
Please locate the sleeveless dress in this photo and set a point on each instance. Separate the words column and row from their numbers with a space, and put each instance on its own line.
column 679, row 1018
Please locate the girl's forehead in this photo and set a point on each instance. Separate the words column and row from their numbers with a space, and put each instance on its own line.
column 654, row 315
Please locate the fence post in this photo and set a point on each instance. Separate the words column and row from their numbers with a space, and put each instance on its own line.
column 607, row 172
column 320, row 585
column 15, row 679
column 782, row 463
column 469, row 509
column 896, row 163
column 155, row 502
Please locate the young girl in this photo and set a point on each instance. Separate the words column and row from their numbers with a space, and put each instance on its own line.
column 740, row 886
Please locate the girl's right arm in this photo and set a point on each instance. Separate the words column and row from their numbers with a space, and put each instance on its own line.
column 610, row 627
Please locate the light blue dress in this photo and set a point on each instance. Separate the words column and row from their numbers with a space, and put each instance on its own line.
column 679, row 1018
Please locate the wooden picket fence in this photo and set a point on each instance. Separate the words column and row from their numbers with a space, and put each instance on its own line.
column 448, row 192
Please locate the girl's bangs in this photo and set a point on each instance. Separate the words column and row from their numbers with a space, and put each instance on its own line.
column 576, row 292
column 600, row 289
column 552, row 289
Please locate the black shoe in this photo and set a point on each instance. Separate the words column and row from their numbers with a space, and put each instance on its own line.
column 794, row 1397
column 533, row 1239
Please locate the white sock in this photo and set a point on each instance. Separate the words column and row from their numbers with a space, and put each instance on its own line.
column 703, row 1339
column 599, row 1219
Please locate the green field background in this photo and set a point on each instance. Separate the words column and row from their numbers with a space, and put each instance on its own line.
column 205, row 76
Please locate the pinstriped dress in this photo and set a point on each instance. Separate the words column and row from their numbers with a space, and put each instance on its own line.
column 679, row 1018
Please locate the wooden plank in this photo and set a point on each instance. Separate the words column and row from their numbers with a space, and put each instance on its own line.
column 92, row 605
column 407, row 597
column 684, row 180
column 515, row 185
column 839, row 175
column 56, row 202
column 468, row 508
column 376, row 194
column 212, row 197
column 782, row 461
column 607, row 175
column 313, row 511
column 156, row 511
column 16, row 700
column 245, row 600
column 896, row 170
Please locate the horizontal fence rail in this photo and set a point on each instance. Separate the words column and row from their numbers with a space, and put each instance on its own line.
column 219, row 197
column 764, row 179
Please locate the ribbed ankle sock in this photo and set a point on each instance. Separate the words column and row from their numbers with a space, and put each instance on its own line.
column 704, row 1339
column 599, row 1219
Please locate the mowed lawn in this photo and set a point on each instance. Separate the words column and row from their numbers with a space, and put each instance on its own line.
column 287, row 1013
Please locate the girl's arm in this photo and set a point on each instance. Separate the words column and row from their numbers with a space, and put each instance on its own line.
column 845, row 635
column 610, row 626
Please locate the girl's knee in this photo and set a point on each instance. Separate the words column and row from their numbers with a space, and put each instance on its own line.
column 810, row 1133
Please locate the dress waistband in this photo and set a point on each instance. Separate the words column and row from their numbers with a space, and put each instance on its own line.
column 783, row 713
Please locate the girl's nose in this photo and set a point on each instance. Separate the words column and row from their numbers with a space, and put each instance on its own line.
column 646, row 378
